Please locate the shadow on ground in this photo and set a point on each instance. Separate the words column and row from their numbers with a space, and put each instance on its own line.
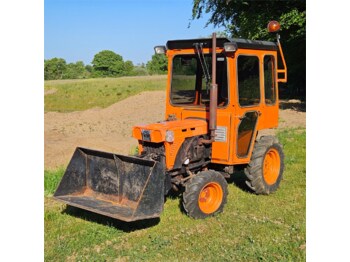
column 107, row 221
column 238, row 179
column 293, row 104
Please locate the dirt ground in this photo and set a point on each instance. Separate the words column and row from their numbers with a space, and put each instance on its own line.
column 109, row 129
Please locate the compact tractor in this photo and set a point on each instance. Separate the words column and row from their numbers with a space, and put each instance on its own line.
column 220, row 94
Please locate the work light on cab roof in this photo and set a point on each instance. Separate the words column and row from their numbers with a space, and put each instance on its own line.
column 230, row 47
column 160, row 49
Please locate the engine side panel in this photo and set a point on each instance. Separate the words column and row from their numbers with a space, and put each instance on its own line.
column 180, row 130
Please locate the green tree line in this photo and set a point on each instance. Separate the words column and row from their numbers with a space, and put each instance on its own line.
column 105, row 64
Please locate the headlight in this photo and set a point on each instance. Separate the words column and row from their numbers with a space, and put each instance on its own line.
column 169, row 136
column 146, row 135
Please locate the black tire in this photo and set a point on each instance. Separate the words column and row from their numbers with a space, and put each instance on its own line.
column 212, row 203
column 266, row 147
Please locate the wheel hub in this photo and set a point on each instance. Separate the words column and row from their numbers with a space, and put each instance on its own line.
column 210, row 198
column 272, row 164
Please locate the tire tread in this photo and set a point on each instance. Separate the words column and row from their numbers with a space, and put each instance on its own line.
column 254, row 170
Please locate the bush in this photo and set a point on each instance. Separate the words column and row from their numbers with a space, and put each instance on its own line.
column 158, row 64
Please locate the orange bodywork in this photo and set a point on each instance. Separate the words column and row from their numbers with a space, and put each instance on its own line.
column 192, row 120
column 284, row 69
column 228, row 116
column 181, row 130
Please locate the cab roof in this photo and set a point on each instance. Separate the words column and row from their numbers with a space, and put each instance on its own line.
column 207, row 43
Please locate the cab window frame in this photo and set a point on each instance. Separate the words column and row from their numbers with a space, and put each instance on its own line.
column 237, row 81
column 201, row 105
column 274, row 80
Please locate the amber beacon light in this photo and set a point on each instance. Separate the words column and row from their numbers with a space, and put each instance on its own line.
column 273, row 26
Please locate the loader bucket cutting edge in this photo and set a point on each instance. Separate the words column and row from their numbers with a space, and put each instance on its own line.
column 122, row 187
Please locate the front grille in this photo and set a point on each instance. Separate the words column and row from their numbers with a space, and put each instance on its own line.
column 156, row 148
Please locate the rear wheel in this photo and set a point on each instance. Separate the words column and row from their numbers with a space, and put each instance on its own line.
column 205, row 194
column 265, row 170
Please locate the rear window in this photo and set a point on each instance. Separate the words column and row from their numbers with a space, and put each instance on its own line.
column 269, row 79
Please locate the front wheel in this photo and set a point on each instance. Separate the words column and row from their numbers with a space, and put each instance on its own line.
column 205, row 194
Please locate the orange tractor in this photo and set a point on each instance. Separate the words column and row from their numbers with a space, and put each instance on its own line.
column 220, row 94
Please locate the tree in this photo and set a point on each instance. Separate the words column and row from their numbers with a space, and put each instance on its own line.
column 128, row 67
column 248, row 19
column 117, row 68
column 54, row 68
column 88, row 68
column 75, row 70
column 108, row 63
column 158, row 64
column 139, row 71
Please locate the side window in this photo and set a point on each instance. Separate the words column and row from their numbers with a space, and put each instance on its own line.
column 183, row 81
column 248, row 80
column 269, row 79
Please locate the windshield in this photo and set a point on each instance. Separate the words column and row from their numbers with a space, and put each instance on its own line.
column 188, row 85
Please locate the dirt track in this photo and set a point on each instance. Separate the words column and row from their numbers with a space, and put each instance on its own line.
column 109, row 129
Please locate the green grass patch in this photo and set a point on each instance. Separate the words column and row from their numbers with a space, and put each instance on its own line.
column 51, row 180
column 251, row 228
column 82, row 94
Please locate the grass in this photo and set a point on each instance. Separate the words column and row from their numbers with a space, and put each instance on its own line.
column 251, row 228
column 82, row 94
column 51, row 180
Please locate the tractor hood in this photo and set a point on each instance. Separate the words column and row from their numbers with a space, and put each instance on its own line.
column 169, row 130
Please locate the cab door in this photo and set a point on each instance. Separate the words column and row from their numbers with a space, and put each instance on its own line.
column 248, row 103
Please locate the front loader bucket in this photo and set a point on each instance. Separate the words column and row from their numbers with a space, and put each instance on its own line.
column 123, row 187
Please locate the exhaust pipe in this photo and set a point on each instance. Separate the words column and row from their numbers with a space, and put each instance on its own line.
column 213, row 93
column 213, row 103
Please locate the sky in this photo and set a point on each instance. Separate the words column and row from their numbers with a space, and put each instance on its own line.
column 76, row 30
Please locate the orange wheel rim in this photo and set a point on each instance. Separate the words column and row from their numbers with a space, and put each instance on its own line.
column 210, row 198
column 272, row 164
